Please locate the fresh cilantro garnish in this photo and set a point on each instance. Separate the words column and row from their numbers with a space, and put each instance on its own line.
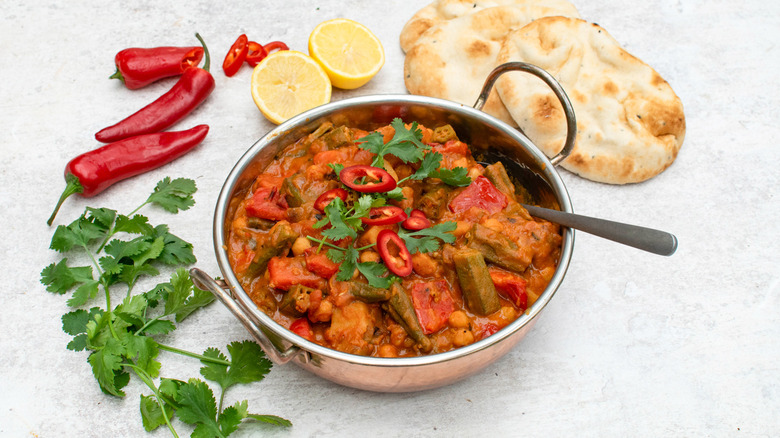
column 406, row 144
column 121, row 339
column 427, row 239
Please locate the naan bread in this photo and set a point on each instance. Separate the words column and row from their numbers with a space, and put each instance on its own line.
column 452, row 59
column 630, row 124
column 443, row 10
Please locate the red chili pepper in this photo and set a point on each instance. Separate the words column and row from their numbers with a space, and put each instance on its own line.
column 92, row 172
column 385, row 215
column 417, row 213
column 137, row 67
column 255, row 53
column 394, row 253
column 193, row 87
column 416, row 223
column 324, row 199
column 275, row 45
column 235, row 56
column 371, row 179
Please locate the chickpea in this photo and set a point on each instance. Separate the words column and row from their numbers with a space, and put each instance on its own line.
column 458, row 319
column 300, row 245
column 369, row 236
column 369, row 256
column 423, row 264
column 323, row 312
column 505, row 316
column 475, row 172
column 387, row 350
column 463, row 337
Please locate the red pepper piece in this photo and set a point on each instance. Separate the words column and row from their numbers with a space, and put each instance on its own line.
column 394, row 253
column 433, row 304
column 275, row 45
column 139, row 67
column 255, row 53
column 417, row 213
column 284, row 272
column 320, row 264
column 324, row 199
column 367, row 179
column 92, row 172
column 267, row 203
column 385, row 215
column 511, row 285
column 481, row 193
column 192, row 88
column 235, row 56
column 416, row 223
column 302, row 328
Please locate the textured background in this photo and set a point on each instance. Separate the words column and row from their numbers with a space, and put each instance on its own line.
column 633, row 344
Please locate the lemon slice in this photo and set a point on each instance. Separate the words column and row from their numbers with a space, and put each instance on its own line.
column 287, row 83
column 348, row 51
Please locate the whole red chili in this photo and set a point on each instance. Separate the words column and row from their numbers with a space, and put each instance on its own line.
column 255, row 53
column 385, row 215
column 394, row 253
column 92, row 172
column 324, row 199
column 192, row 88
column 139, row 67
column 367, row 179
column 235, row 56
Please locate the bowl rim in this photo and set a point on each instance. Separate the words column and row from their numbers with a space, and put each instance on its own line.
column 312, row 348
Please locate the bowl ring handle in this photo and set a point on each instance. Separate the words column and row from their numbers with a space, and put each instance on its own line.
column 274, row 352
column 568, row 110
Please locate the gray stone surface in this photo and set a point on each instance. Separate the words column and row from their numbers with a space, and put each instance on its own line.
column 631, row 345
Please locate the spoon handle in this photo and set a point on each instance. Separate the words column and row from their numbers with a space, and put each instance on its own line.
column 647, row 239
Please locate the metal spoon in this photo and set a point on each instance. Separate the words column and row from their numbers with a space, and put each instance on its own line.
column 647, row 239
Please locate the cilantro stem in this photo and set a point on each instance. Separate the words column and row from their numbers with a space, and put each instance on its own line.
column 194, row 355
column 146, row 378
column 323, row 242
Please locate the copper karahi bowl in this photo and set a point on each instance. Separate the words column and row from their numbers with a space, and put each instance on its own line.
column 487, row 136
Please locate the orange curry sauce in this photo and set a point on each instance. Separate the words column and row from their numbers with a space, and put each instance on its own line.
column 271, row 255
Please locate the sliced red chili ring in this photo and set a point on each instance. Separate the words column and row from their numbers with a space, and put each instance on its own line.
column 394, row 253
column 416, row 223
column 417, row 213
column 275, row 45
column 367, row 179
column 192, row 58
column 324, row 199
column 235, row 56
column 385, row 215
column 255, row 53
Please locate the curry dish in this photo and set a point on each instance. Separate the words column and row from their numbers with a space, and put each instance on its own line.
column 389, row 243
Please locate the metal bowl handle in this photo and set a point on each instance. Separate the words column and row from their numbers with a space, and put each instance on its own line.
column 277, row 355
column 568, row 110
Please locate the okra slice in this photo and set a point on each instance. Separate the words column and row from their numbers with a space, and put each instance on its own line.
column 369, row 294
column 280, row 238
column 443, row 134
column 498, row 249
column 296, row 301
column 400, row 307
column 291, row 193
column 475, row 282
column 498, row 175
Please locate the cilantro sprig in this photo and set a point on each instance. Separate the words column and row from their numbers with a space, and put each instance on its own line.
column 121, row 339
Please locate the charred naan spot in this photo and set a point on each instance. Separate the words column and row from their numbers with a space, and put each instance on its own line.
column 478, row 49
column 545, row 108
column 580, row 97
column 657, row 80
column 610, row 88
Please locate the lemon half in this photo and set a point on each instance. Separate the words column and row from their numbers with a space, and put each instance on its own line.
column 287, row 83
column 349, row 52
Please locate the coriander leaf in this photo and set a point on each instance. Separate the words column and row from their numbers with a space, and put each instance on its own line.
column 230, row 417
column 130, row 273
column 198, row 406
column 75, row 323
column 336, row 256
column 427, row 240
column 396, row 194
column 60, row 278
column 132, row 310
column 138, row 224
column 406, row 144
column 151, row 414
column 348, row 264
column 429, row 164
column 175, row 251
column 181, row 288
column 87, row 291
column 270, row 419
column 81, row 232
column 173, row 195
column 200, row 298
column 335, row 212
column 119, row 250
column 143, row 351
column 376, row 274
column 247, row 364
column 106, row 366
column 159, row 327
column 101, row 216
column 458, row 176
column 337, row 167
column 158, row 293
